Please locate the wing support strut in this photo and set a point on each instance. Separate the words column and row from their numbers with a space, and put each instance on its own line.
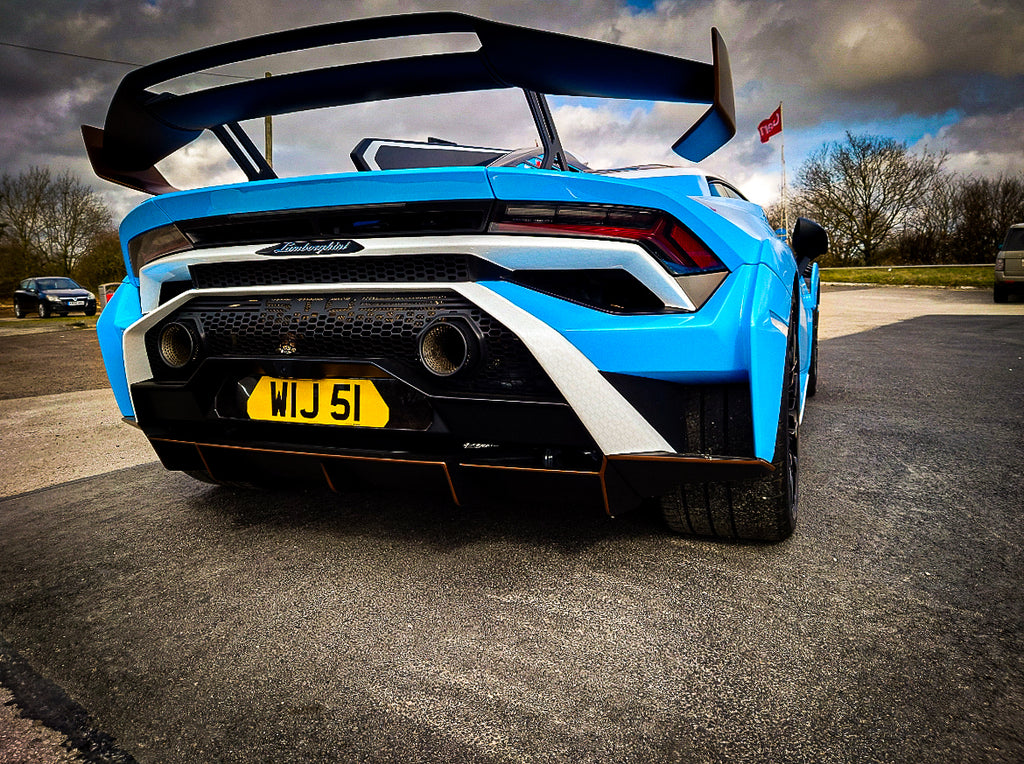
column 554, row 154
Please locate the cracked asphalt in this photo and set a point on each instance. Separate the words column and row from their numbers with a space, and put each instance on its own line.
column 146, row 617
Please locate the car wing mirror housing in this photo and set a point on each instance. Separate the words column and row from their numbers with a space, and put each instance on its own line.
column 810, row 241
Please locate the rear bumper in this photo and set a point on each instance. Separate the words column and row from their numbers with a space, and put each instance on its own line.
column 610, row 409
column 617, row 483
column 468, row 446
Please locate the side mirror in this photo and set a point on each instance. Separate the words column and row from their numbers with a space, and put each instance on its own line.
column 810, row 241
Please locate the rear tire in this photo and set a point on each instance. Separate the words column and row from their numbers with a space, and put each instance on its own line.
column 757, row 510
column 1000, row 293
column 19, row 312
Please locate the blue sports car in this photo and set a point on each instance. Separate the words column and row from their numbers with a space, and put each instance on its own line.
column 474, row 318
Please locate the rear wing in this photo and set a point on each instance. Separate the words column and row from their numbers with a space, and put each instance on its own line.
column 144, row 126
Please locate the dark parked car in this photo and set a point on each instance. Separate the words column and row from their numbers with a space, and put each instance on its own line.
column 52, row 294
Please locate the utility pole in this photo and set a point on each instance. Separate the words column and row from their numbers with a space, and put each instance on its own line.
column 268, row 137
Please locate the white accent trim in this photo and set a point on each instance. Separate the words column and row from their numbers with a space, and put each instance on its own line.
column 615, row 425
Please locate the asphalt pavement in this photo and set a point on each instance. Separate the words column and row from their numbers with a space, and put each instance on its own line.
column 147, row 617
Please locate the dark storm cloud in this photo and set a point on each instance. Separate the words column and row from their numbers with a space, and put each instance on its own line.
column 848, row 63
column 40, row 89
column 918, row 57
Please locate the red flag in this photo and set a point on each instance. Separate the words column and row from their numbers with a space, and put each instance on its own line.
column 771, row 126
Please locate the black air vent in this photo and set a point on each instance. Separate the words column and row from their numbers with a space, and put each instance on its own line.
column 427, row 218
column 340, row 270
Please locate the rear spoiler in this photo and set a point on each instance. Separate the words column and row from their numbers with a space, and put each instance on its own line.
column 144, row 126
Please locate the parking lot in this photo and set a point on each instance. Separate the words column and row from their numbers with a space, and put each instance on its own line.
column 148, row 617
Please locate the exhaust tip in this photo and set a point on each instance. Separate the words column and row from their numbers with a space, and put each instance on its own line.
column 176, row 345
column 448, row 347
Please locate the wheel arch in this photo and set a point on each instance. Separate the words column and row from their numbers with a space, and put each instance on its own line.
column 121, row 311
column 772, row 313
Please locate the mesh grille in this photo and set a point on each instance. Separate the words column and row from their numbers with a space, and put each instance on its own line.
column 319, row 270
column 383, row 328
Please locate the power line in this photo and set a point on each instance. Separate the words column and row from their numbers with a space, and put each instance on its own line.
column 106, row 60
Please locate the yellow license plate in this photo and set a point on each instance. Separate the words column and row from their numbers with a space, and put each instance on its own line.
column 350, row 402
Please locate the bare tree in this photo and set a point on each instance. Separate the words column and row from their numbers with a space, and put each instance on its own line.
column 985, row 209
column 102, row 263
column 22, row 198
column 49, row 221
column 775, row 215
column 926, row 238
column 866, row 190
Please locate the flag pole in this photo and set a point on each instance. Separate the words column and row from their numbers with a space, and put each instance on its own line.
column 785, row 205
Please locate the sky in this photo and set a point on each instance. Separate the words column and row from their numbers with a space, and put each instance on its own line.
column 940, row 75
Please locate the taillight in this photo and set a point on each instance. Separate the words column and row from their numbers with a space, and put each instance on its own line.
column 1000, row 264
column 156, row 243
column 679, row 250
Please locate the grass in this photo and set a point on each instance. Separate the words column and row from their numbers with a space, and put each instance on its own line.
column 943, row 276
column 73, row 321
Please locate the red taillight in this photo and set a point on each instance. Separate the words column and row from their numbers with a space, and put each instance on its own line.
column 678, row 249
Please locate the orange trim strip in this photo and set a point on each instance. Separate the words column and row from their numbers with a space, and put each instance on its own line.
column 700, row 460
column 298, row 453
column 604, row 486
column 351, row 457
column 451, row 485
column 327, row 477
column 528, row 469
column 201, row 457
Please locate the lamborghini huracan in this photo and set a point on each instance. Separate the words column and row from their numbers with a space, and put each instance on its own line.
column 474, row 318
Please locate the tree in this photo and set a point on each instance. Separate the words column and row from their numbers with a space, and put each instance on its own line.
column 986, row 208
column 102, row 263
column 865, row 191
column 926, row 238
column 774, row 213
column 49, row 222
column 21, row 203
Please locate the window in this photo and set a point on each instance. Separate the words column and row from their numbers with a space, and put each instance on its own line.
column 721, row 188
column 1014, row 240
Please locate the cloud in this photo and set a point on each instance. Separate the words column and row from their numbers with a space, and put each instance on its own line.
column 858, row 65
column 871, row 46
column 985, row 145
